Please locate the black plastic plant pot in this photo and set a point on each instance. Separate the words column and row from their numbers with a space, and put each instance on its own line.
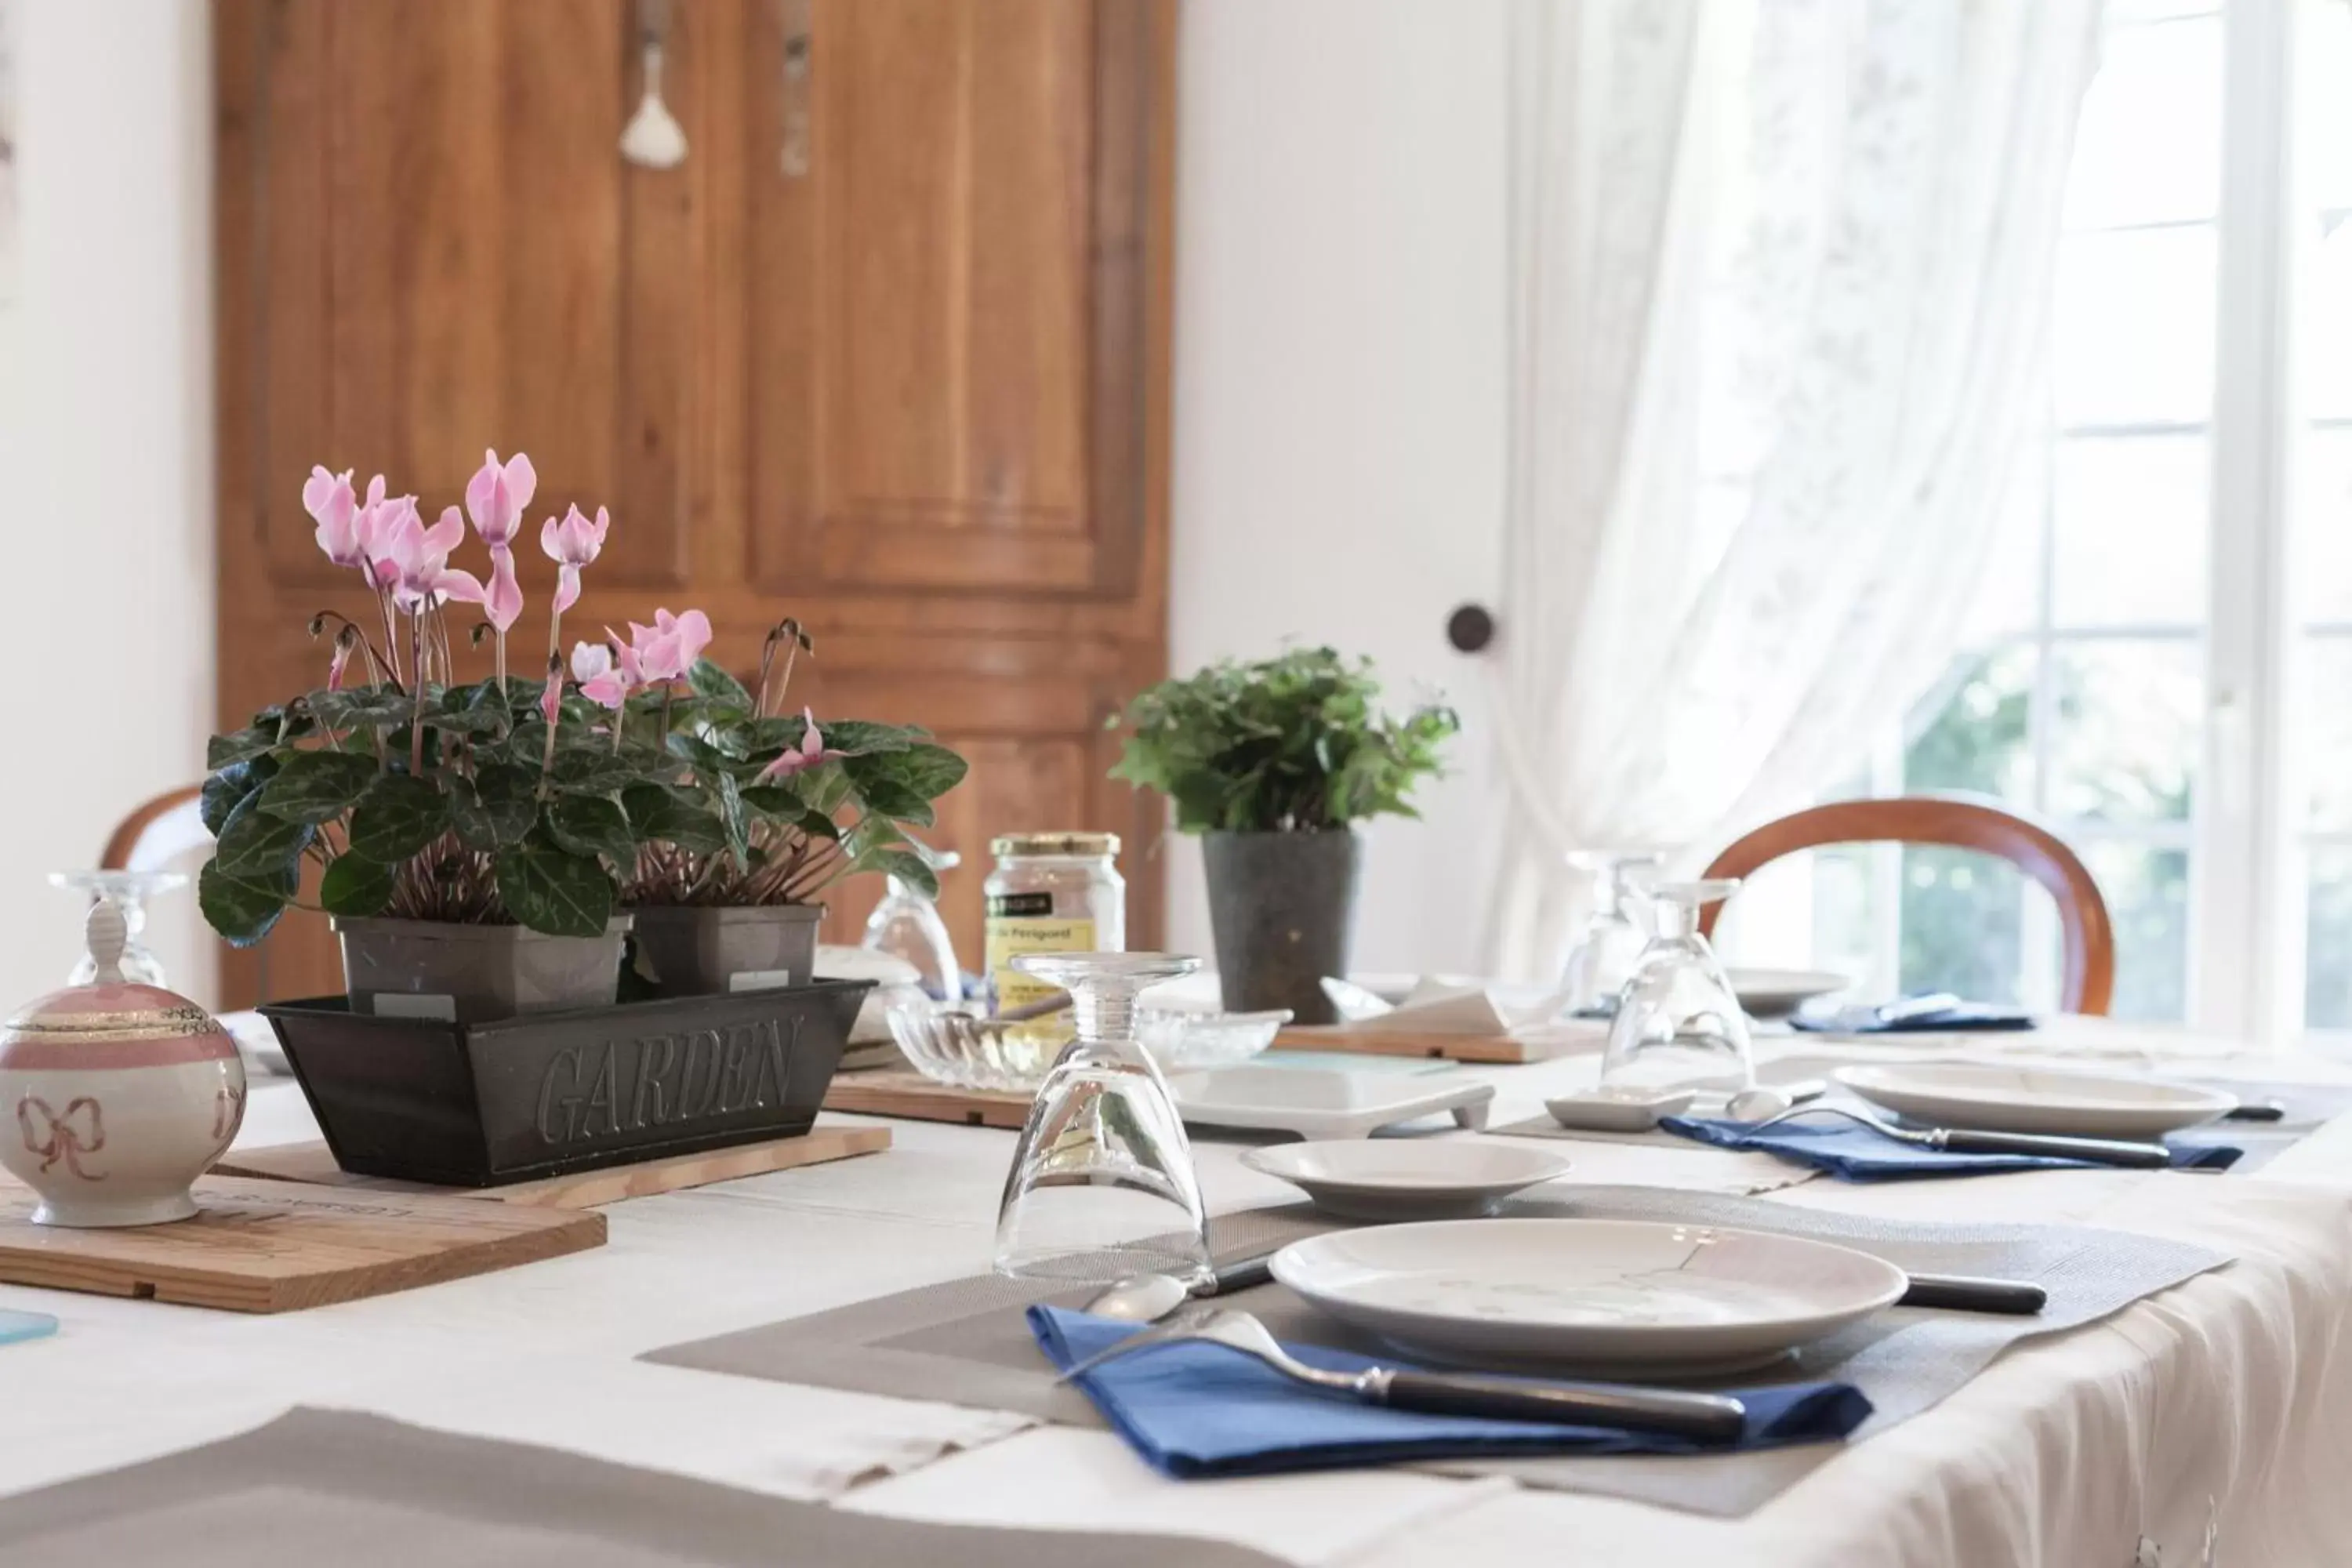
column 484, row 1103
column 435, row 969
column 759, row 947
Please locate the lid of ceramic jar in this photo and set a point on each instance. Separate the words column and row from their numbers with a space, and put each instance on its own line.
column 110, row 1022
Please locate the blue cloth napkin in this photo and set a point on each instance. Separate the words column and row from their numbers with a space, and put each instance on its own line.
column 15, row 1326
column 1863, row 1018
column 1192, row 1408
column 1855, row 1153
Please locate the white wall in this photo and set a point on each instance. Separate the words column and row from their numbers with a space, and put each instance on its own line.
column 106, row 511
column 1339, row 397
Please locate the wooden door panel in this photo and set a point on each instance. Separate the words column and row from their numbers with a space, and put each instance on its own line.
column 945, row 303
column 489, row 272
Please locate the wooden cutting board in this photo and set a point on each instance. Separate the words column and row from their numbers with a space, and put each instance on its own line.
column 314, row 1164
column 901, row 1091
column 1532, row 1046
column 275, row 1247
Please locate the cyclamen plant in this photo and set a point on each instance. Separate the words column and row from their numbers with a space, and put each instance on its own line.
column 651, row 770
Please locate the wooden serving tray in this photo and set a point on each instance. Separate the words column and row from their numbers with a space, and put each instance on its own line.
column 1533, row 1046
column 314, row 1165
column 274, row 1247
column 902, row 1091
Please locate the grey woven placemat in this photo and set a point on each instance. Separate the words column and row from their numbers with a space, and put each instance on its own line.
column 2307, row 1109
column 361, row 1491
column 964, row 1342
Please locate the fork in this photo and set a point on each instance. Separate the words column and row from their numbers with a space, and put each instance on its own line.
column 1713, row 1417
column 1969, row 1141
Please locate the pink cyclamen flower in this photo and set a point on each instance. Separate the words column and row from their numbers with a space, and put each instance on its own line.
column 330, row 500
column 551, row 701
column 799, row 759
column 413, row 560
column 502, row 601
column 572, row 545
column 497, row 495
column 342, row 657
column 667, row 649
column 604, row 680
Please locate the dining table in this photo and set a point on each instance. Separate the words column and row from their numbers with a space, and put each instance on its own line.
column 2205, row 1423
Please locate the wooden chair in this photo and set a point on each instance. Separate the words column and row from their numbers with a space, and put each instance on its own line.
column 156, row 834
column 1959, row 822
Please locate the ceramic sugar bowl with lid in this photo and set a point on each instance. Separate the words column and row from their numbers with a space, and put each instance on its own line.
column 114, row 1097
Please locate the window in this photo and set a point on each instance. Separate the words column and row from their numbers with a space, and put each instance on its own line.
column 2162, row 662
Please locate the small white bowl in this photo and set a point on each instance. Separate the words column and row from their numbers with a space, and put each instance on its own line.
column 1621, row 1109
column 1409, row 1178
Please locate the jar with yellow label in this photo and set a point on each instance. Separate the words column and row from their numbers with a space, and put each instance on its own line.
column 1051, row 892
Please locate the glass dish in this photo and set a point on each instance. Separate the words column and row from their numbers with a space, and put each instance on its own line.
column 129, row 890
column 1183, row 1039
column 958, row 1044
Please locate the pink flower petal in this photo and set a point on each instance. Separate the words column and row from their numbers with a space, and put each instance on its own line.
column 567, row 587
column 503, row 601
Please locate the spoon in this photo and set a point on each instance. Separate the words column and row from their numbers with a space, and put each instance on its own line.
column 1148, row 1297
column 1762, row 1102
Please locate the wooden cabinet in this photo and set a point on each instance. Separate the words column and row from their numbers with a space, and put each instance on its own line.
column 907, row 383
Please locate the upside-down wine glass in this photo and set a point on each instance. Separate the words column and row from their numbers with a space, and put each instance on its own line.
column 906, row 924
column 1602, row 957
column 1678, row 1024
column 1102, row 1183
column 129, row 891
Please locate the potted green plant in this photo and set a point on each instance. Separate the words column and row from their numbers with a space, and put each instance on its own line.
column 471, row 835
column 770, row 811
column 1271, row 762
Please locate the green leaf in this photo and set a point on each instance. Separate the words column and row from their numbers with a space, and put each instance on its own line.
column 590, row 770
column 904, row 864
column 315, row 786
column 704, row 757
column 372, row 706
column 262, row 848
column 774, row 800
column 226, row 789
column 356, row 886
column 495, row 808
column 237, row 746
column 589, row 825
column 857, row 738
column 396, row 817
column 550, row 889
column 714, row 682
column 242, row 913
column 657, row 816
column 733, row 819
column 887, row 797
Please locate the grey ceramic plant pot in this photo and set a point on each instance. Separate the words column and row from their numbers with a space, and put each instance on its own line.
column 431, row 968
column 1281, row 906
column 701, row 952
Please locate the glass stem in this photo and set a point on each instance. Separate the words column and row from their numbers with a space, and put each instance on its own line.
column 1677, row 921
column 1103, row 1012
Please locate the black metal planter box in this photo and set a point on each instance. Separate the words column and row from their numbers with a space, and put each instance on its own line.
column 507, row 1100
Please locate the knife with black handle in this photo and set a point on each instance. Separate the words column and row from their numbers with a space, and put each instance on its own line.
column 1709, row 1417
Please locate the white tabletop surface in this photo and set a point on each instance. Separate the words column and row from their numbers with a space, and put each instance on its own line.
column 2222, row 1406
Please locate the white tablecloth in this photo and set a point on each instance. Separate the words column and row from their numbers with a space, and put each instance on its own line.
column 2218, row 1406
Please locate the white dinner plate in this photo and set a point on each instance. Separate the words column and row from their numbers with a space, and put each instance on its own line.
column 1776, row 993
column 1623, row 1296
column 2034, row 1099
column 1409, row 1178
column 1319, row 1104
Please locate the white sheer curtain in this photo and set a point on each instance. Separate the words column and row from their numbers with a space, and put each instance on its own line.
column 1780, row 279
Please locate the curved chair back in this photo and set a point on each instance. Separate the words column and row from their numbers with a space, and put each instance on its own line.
column 1958, row 823
column 156, row 834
